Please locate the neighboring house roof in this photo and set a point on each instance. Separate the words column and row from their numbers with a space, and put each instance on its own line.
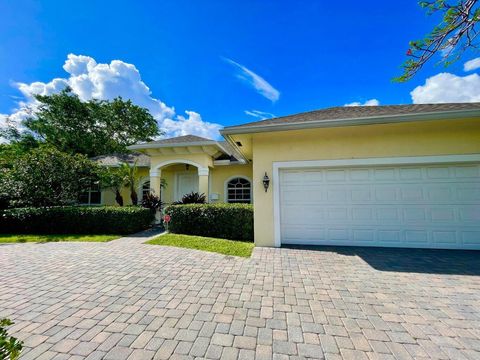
column 117, row 159
column 341, row 115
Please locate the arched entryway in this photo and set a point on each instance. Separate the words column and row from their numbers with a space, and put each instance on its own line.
column 182, row 176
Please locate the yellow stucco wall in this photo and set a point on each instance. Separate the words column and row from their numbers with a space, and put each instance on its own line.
column 108, row 196
column 386, row 140
column 217, row 177
column 220, row 174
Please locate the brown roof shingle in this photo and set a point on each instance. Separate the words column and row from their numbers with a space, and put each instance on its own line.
column 358, row 112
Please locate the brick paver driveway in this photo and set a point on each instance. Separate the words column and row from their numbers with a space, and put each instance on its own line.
column 127, row 300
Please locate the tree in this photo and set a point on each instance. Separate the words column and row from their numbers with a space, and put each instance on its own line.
column 130, row 179
column 10, row 152
column 92, row 128
column 456, row 33
column 112, row 179
column 47, row 177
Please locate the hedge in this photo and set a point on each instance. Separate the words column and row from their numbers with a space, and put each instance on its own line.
column 226, row 221
column 75, row 220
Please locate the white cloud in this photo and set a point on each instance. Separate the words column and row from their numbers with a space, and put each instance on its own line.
column 371, row 102
column 193, row 124
column 260, row 84
column 472, row 64
column 89, row 79
column 446, row 87
column 262, row 115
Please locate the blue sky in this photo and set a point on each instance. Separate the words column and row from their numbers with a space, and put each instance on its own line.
column 219, row 59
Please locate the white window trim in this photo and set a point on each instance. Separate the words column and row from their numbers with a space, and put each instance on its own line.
column 407, row 160
column 225, row 187
column 142, row 182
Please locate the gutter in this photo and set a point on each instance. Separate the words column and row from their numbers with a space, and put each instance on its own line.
column 384, row 119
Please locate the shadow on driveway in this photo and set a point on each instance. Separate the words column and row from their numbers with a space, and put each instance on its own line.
column 428, row 261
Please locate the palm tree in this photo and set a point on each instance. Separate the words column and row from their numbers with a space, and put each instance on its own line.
column 130, row 179
column 112, row 179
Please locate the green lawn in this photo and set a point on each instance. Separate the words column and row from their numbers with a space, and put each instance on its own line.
column 20, row 238
column 221, row 246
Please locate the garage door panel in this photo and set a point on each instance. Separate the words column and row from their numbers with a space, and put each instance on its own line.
column 445, row 237
column 470, row 214
column 413, row 173
column 436, row 206
column 471, row 238
column 469, row 193
column 467, row 172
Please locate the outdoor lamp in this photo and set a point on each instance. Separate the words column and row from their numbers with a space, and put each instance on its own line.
column 266, row 181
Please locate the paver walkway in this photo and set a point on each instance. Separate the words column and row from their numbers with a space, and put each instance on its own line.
column 128, row 300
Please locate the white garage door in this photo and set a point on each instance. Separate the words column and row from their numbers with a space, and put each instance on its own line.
column 433, row 206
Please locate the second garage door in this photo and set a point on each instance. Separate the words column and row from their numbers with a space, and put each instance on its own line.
column 428, row 206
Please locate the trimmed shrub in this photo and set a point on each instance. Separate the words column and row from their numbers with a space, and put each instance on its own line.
column 75, row 220
column 10, row 347
column 226, row 221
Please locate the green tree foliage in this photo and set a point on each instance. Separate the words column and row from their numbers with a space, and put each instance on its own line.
column 456, row 33
column 92, row 128
column 18, row 147
column 10, row 347
column 47, row 177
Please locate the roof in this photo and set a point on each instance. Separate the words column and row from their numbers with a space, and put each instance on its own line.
column 234, row 154
column 180, row 139
column 361, row 112
column 186, row 141
column 117, row 159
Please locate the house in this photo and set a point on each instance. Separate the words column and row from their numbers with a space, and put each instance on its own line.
column 399, row 176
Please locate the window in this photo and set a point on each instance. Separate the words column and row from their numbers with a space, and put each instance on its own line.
column 145, row 189
column 92, row 196
column 239, row 190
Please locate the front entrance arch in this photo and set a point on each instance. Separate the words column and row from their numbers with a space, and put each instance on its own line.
column 183, row 182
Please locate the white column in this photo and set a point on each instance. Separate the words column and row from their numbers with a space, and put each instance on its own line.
column 155, row 176
column 203, row 182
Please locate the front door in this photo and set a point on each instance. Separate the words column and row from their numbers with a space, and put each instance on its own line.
column 186, row 183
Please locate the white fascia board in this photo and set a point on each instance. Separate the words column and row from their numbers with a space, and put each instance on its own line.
column 228, row 162
column 385, row 119
column 244, row 159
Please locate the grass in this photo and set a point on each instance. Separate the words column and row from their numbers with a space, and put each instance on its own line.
column 21, row 238
column 221, row 246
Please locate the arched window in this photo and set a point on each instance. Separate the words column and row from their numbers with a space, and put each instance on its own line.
column 239, row 190
column 145, row 188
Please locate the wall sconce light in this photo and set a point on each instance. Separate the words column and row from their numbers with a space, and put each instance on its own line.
column 266, row 181
column 187, row 167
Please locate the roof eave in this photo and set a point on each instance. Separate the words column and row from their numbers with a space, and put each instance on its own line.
column 384, row 119
column 180, row 144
